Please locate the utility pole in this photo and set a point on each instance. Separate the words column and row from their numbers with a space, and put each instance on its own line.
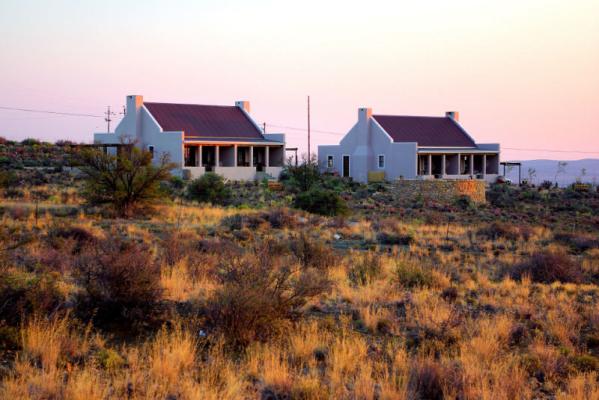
column 108, row 113
column 309, row 153
column 264, row 127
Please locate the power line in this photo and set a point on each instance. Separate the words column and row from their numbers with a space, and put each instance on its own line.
column 305, row 130
column 275, row 126
column 502, row 148
column 51, row 112
column 551, row 151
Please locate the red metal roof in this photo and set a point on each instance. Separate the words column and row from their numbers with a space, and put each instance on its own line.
column 426, row 131
column 204, row 121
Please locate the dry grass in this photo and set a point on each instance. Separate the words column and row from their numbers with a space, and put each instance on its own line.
column 470, row 330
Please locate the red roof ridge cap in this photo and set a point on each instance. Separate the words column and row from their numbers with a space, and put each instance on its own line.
column 188, row 104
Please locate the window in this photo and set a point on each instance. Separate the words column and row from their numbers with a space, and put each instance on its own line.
column 151, row 150
column 381, row 161
column 330, row 162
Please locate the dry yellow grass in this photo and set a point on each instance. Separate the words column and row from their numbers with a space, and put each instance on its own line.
column 328, row 354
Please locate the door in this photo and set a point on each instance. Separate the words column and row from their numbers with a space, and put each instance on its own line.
column 345, row 166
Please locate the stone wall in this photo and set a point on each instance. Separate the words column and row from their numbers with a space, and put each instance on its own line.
column 439, row 190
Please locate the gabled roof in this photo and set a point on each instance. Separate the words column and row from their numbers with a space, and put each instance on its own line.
column 201, row 121
column 426, row 131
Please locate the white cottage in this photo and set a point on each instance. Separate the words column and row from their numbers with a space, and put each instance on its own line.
column 202, row 138
column 410, row 147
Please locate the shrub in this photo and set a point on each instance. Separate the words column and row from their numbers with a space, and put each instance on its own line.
column 173, row 187
column 280, row 218
column 129, row 182
column 465, row 202
column 121, row 280
column 8, row 179
column 81, row 236
column 549, row 266
column 578, row 243
column 23, row 295
column 411, row 275
column 321, row 201
column 302, row 177
column 209, row 188
column 178, row 245
column 30, row 142
column 259, row 296
column 110, row 359
column 366, row 269
column 426, row 381
column 501, row 196
column 394, row 239
column 586, row 363
column 311, row 253
column 504, row 230
column 546, row 185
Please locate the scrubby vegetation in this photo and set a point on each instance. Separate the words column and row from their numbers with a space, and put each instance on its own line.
column 129, row 182
column 209, row 188
column 256, row 299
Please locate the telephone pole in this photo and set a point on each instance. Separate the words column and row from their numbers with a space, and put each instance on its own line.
column 108, row 113
column 309, row 153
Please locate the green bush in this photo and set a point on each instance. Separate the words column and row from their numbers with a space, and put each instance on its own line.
column 321, row 201
column 502, row 195
column 110, row 359
column 209, row 188
column 301, row 177
column 129, row 182
column 8, row 179
column 30, row 142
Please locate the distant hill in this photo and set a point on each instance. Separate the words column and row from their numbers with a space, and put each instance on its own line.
column 546, row 170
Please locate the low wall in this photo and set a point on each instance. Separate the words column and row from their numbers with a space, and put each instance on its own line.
column 439, row 190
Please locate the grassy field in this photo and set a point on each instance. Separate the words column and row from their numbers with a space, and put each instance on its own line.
column 393, row 301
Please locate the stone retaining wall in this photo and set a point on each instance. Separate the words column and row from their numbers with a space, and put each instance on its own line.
column 442, row 191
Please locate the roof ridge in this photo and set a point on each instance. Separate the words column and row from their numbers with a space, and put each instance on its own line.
column 188, row 104
column 209, row 120
column 410, row 116
column 425, row 130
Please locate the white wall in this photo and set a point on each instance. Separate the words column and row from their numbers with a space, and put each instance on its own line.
column 400, row 158
column 363, row 143
column 170, row 143
column 330, row 150
column 138, row 124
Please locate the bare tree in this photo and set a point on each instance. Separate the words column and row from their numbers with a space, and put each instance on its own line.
column 532, row 173
column 561, row 169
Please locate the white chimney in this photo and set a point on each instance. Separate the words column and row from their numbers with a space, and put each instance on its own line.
column 455, row 115
column 134, row 103
column 244, row 105
column 130, row 126
column 364, row 114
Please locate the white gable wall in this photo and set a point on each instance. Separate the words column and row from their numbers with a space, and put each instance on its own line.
column 152, row 134
column 139, row 125
column 400, row 158
column 364, row 142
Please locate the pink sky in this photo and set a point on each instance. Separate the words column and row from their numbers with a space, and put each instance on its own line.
column 521, row 73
